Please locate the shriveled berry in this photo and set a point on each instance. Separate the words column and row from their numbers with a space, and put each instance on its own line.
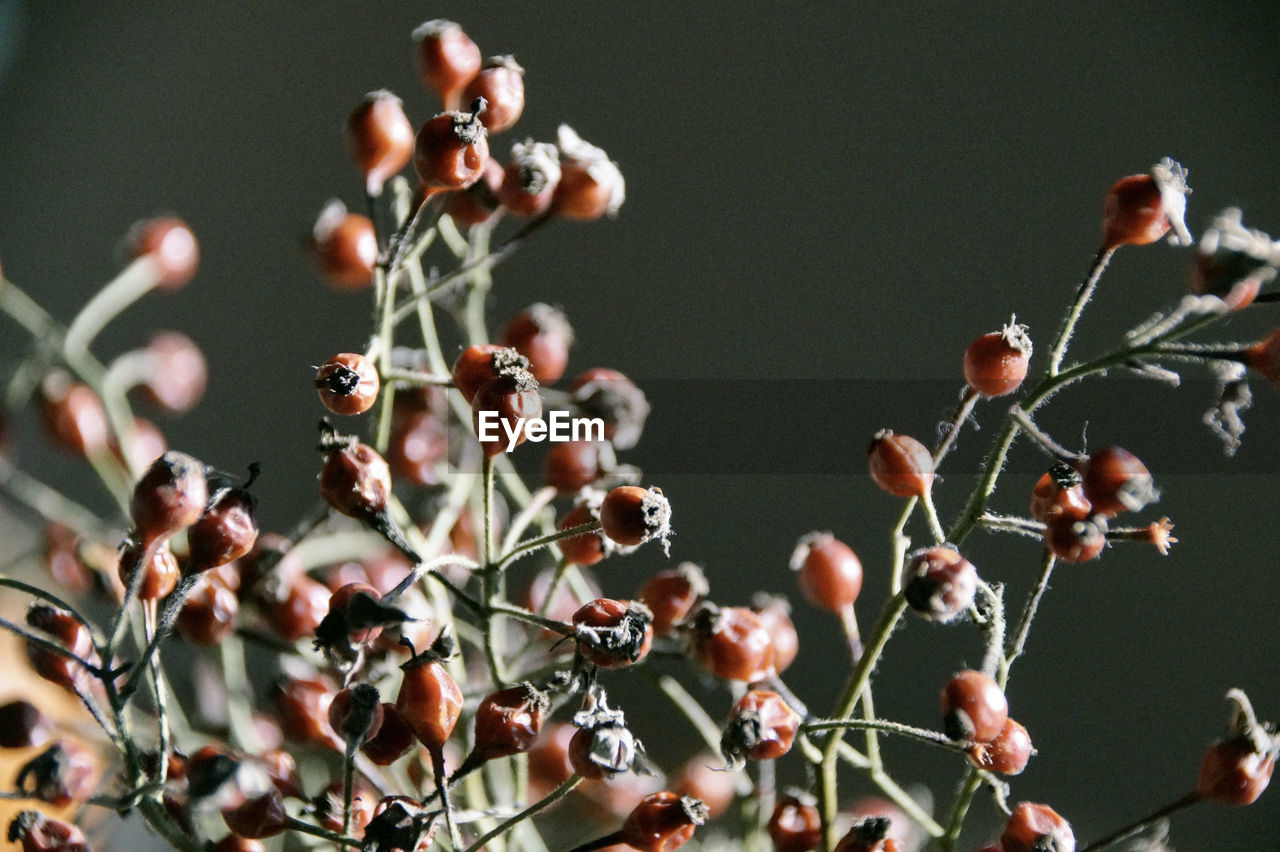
column 1007, row 754
column 226, row 531
column 209, row 614
column 345, row 246
column 762, row 726
column 632, row 515
column 348, row 383
column 355, row 480
column 868, row 835
column 480, row 364
column 1058, row 492
column 502, row 407
column 1141, row 209
column 900, row 464
column 828, row 570
column 939, row 583
column 508, row 722
column 1037, row 828
column 172, row 247
column 39, row 833
column 996, row 364
column 178, row 372
column 447, row 59
column 795, row 825
column 501, row 84
column 392, row 741
column 731, row 643
column 591, row 185
column 1076, row 536
column 65, row 629
column 263, row 816
column 451, row 150
column 542, row 334
column 169, row 497
column 530, row 178
column 671, row 595
column 613, row 633
column 973, row 707
column 64, row 773
column 23, row 725
column 160, row 574
column 662, row 822
column 380, row 138
column 1115, row 481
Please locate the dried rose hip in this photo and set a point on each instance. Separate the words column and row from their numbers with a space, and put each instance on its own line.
column 500, row 83
column 1007, row 754
column 1037, row 828
column 663, row 821
column 762, row 726
column 795, row 825
column 632, row 515
column 169, row 497
column 995, row 364
column 671, row 595
column 900, row 464
column 828, row 570
column 973, row 707
column 345, row 246
column 542, row 334
column 451, row 150
column 447, row 59
column 731, row 643
column 348, row 383
column 380, row 138
column 1141, row 209
column 170, row 245
column 613, row 633
column 939, row 583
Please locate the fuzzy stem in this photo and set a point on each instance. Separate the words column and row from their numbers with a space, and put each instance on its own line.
column 1083, row 294
column 547, row 801
column 1173, row 807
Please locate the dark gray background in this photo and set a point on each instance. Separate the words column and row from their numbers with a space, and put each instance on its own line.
column 825, row 205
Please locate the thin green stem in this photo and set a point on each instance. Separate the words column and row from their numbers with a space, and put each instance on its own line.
column 922, row 734
column 295, row 824
column 1146, row 822
column 134, row 281
column 545, row 802
column 529, row 546
column 1083, row 294
column 960, row 809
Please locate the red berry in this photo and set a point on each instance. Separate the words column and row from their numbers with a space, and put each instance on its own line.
column 345, row 247
column 22, row 725
column 430, row 701
column 973, row 707
column 1059, row 492
column 501, row 84
column 1007, row 754
column 160, row 574
column 662, row 822
column 226, row 531
column 294, row 606
column 542, row 334
column 731, row 642
column 1264, row 356
column 74, row 416
column 63, row 557
column 631, row 515
column 303, row 706
column 995, row 364
column 380, row 138
column 530, row 179
column 393, row 739
column 671, row 595
column 1037, row 828
column 572, row 465
column 762, row 726
column 1234, row 773
column 703, row 778
column 869, row 835
column 178, row 372
column 209, row 614
column 586, row 549
column 264, row 816
column 502, row 407
column 1115, row 480
column 774, row 613
column 508, row 722
column 451, row 150
column 829, row 572
column 146, row 444
column 1075, row 536
column 479, row 203
column 170, row 245
column 170, row 496
column 348, row 383
column 549, row 765
column 236, row 843
column 939, row 583
column 795, row 825
column 900, row 464
column 613, row 633
column 602, row 746
column 1232, row 261
column 447, row 59
column 355, row 714
column 39, row 833
column 419, row 442
column 591, row 185
column 331, row 801
column 355, row 480
column 611, row 396
column 480, row 364
column 64, row 773
column 1140, row 209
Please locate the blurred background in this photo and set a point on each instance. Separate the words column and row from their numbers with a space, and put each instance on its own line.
column 825, row 205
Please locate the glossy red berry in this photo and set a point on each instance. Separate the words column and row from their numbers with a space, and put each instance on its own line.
column 939, row 583
column 1237, row 768
column 508, row 722
column 303, row 708
column 795, row 825
column 348, row 383
column 1007, row 754
column 591, row 185
column 451, row 150
column 209, row 614
column 501, row 84
column 39, row 833
column 1141, row 209
column 585, row 549
column 631, row 515
column 869, row 835
column 731, row 643
column 178, row 372
column 530, row 179
column 996, row 364
column 762, row 726
column 23, row 725
column 973, row 707
column 900, row 464
column 662, row 822
column 355, row 479
column 1076, row 536
column 480, row 202
column 774, row 612
column 572, row 465
column 294, row 606
column 1059, row 492
column 1115, row 481
column 160, row 573
column 829, row 572
column 613, row 633
column 170, row 496
column 64, row 629
column 447, row 59
column 542, row 334
column 480, row 364
column 380, row 138
column 225, row 532
column 429, row 701
column 263, row 816
column 356, row 714
column 671, row 595
column 501, row 409
column 1037, row 828
column 74, row 416
column 393, row 739
column 170, row 245
column 345, row 246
